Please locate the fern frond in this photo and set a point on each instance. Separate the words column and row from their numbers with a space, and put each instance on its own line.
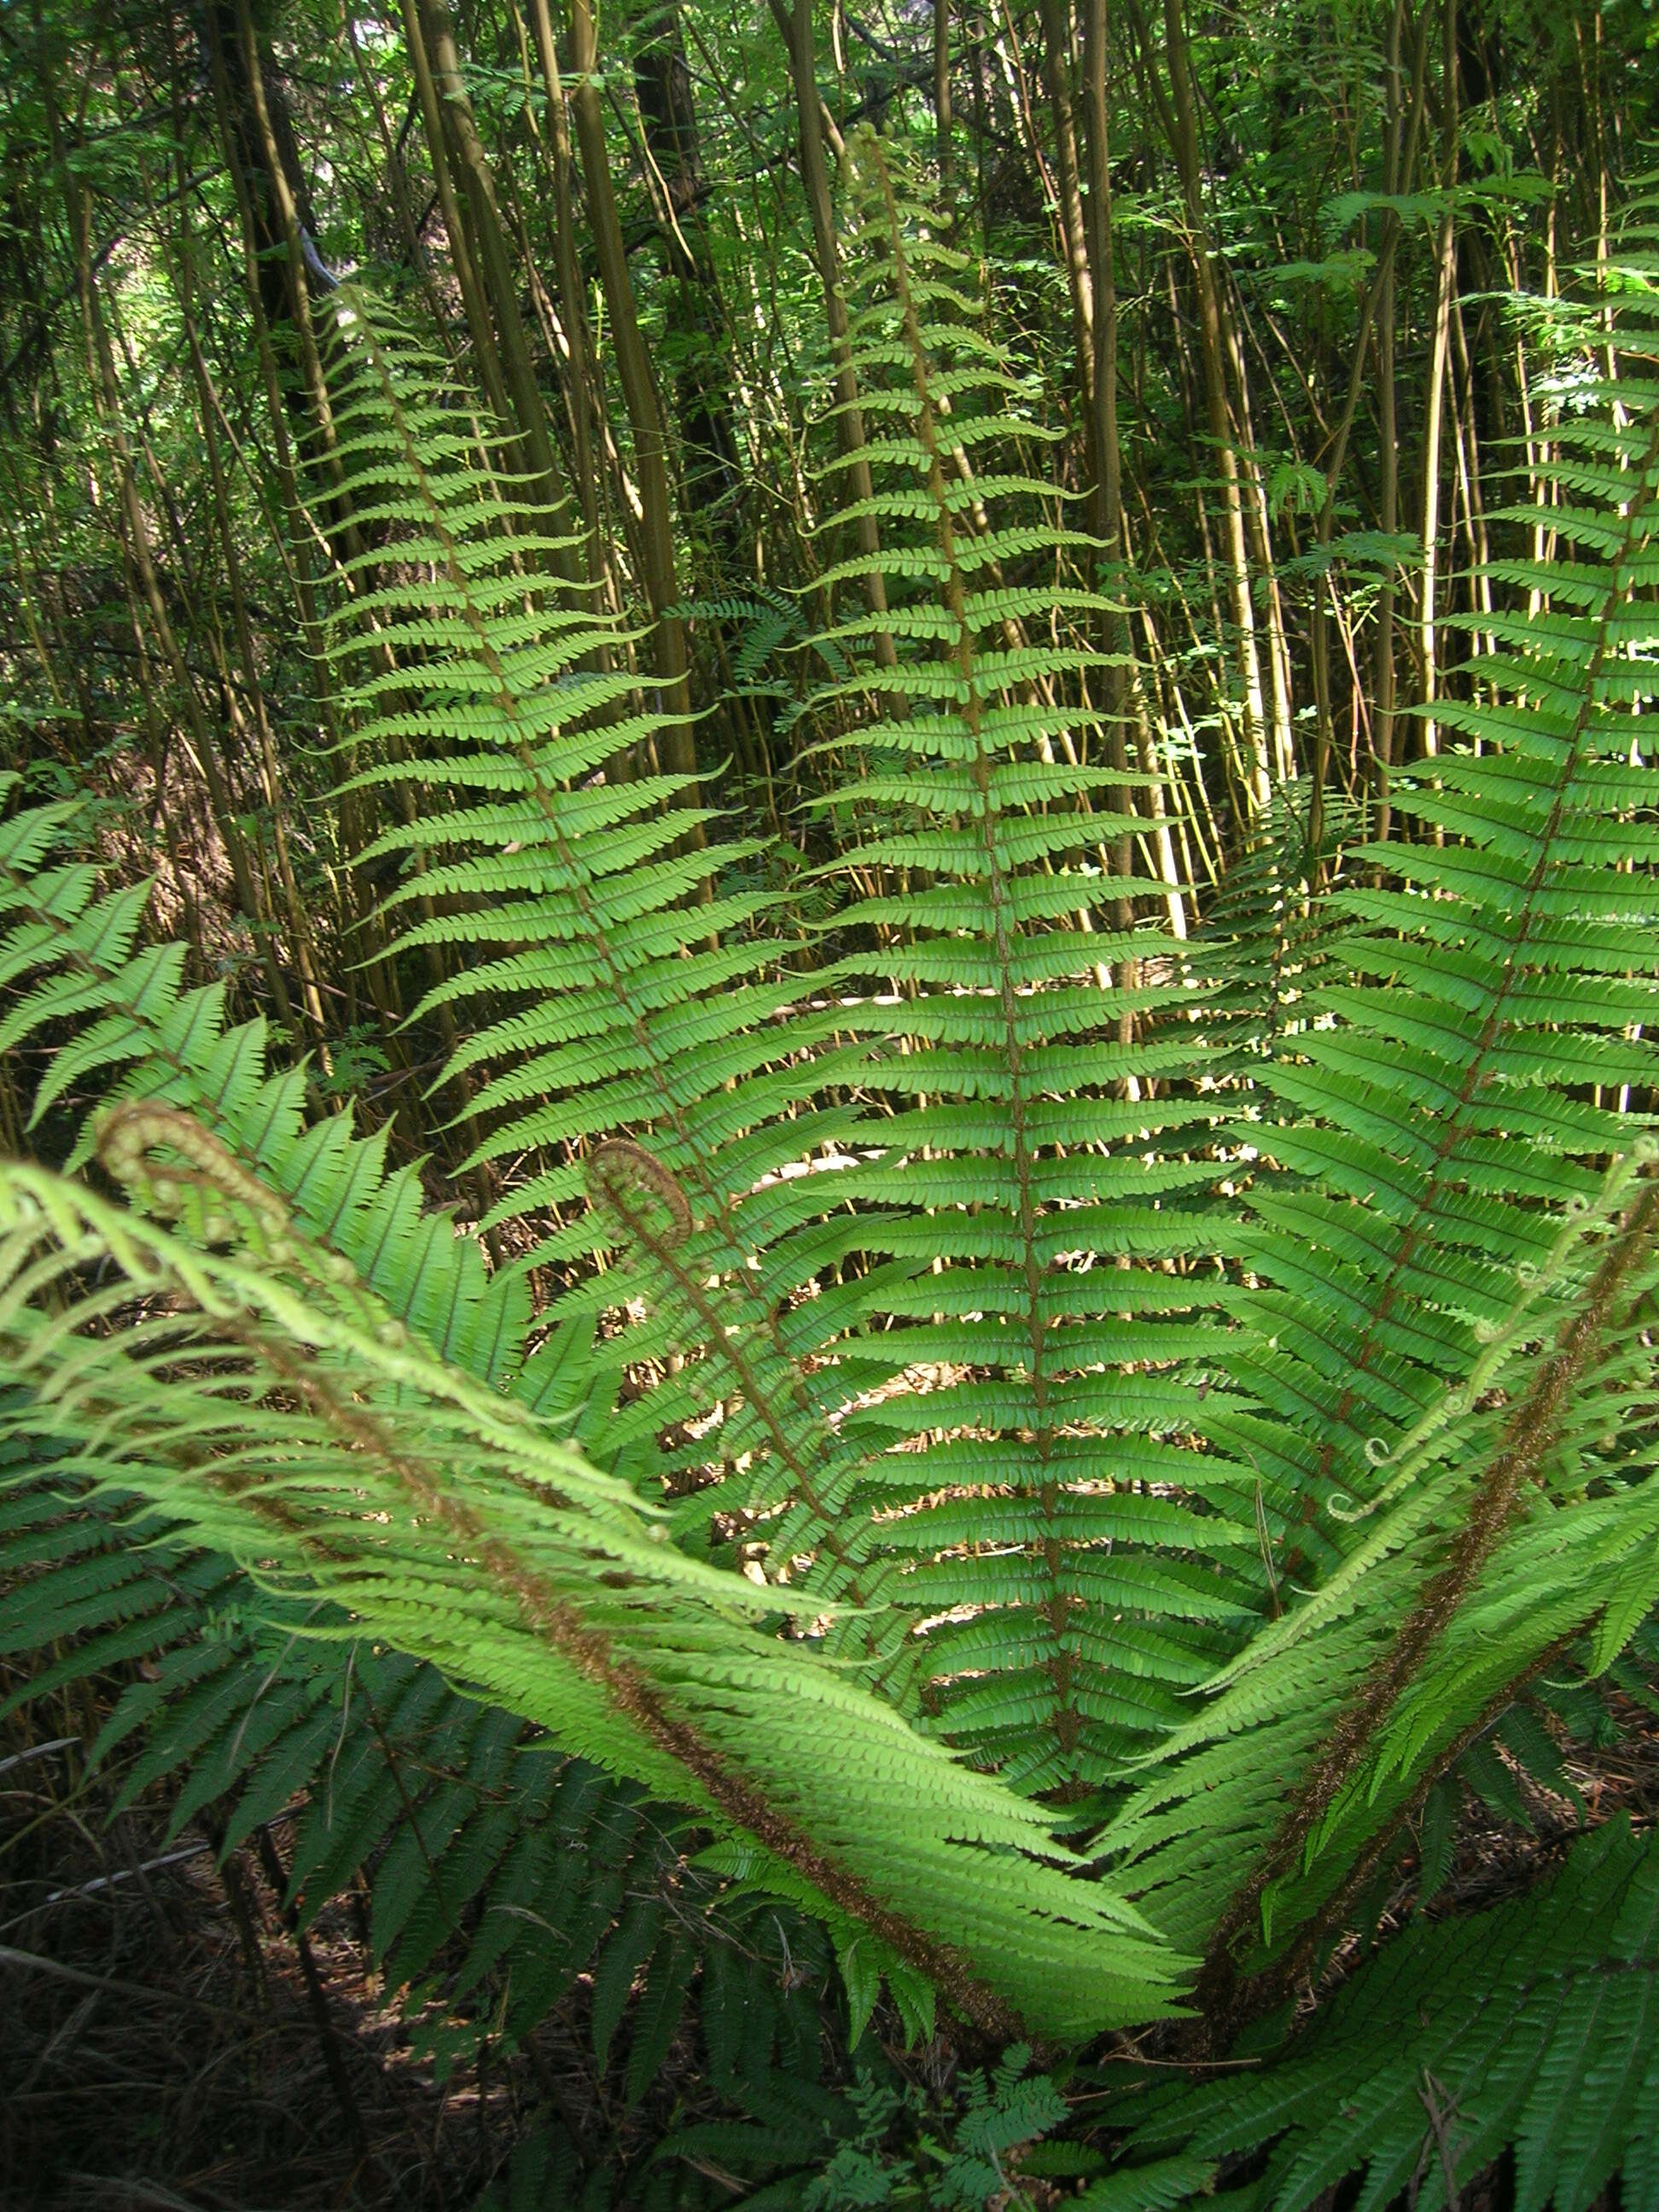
column 775, row 1231
column 1530, row 2025
column 1013, row 1464
column 496, row 1865
column 269, row 1400
column 1446, row 1336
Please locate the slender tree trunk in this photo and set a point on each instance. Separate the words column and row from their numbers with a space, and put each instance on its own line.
column 1055, row 17
column 1213, row 354
column 265, row 155
column 572, row 307
column 676, row 747
column 1399, row 150
column 1125, row 704
column 136, row 545
column 711, row 466
column 479, row 328
column 268, row 128
column 849, row 419
column 942, row 104
column 431, row 27
column 1445, row 287
column 420, row 260
column 301, row 948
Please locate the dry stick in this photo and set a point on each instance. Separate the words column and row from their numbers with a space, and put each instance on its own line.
column 1259, row 525
column 322, row 421
column 1055, row 19
column 485, row 350
column 718, row 479
column 328, row 2039
column 1085, row 251
column 1102, row 385
column 598, row 460
column 299, row 288
column 391, row 155
column 236, row 1899
column 1006, row 48
column 1383, row 336
column 1336, row 459
column 316, row 382
column 670, row 147
column 1468, row 470
column 36, row 1962
column 566, row 331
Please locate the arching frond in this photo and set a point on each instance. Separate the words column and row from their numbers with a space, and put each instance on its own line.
column 267, row 1400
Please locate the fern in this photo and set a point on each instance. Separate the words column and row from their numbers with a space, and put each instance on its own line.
column 1530, row 2025
column 1117, row 1575
column 559, row 882
column 1264, row 934
column 1034, row 1566
column 175, row 1048
column 809, row 1319
column 1450, row 1227
column 999, row 2116
column 474, row 1541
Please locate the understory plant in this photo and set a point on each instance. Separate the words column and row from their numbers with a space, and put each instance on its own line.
column 945, row 1426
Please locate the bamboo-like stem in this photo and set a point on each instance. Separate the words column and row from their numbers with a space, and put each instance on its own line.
column 676, row 746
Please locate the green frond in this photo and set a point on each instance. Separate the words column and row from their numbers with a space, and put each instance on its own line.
column 475, row 1837
column 1447, row 1279
column 1530, row 2025
column 271, row 1403
column 995, row 1446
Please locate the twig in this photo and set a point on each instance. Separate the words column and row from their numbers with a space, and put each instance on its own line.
column 33, row 1962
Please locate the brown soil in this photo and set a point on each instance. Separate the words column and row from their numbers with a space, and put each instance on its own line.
column 159, row 2045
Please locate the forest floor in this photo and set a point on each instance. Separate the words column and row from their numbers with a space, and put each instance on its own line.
column 166, row 2041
